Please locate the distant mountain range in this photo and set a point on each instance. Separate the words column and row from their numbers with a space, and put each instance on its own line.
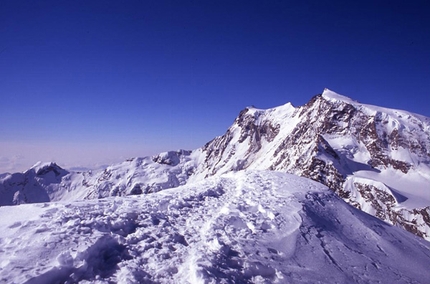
column 376, row 159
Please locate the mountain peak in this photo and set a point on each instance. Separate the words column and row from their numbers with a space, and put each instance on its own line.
column 333, row 96
column 41, row 168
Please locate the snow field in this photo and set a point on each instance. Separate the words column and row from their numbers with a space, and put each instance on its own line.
column 244, row 227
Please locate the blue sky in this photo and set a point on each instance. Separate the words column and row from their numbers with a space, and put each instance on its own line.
column 86, row 83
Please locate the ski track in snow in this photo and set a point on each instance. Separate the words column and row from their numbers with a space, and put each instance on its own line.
column 245, row 227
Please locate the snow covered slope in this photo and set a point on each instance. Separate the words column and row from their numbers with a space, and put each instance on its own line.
column 243, row 227
column 376, row 159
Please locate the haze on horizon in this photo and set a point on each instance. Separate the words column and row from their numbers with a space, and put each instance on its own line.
column 91, row 83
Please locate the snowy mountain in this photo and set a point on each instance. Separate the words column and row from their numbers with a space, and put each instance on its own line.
column 376, row 159
column 240, row 227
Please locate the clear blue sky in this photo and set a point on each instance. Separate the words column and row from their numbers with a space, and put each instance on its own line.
column 90, row 82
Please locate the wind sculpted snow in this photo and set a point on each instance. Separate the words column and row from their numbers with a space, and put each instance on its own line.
column 243, row 227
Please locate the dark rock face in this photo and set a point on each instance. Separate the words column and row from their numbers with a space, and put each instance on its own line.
column 256, row 132
column 324, row 117
column 381, row 201
column 415, row 221
column 252, row 134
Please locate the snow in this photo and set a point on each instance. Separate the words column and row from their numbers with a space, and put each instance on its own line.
column 402, row 116
column 246, row 227
column 413, row 186
column 334, row 97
